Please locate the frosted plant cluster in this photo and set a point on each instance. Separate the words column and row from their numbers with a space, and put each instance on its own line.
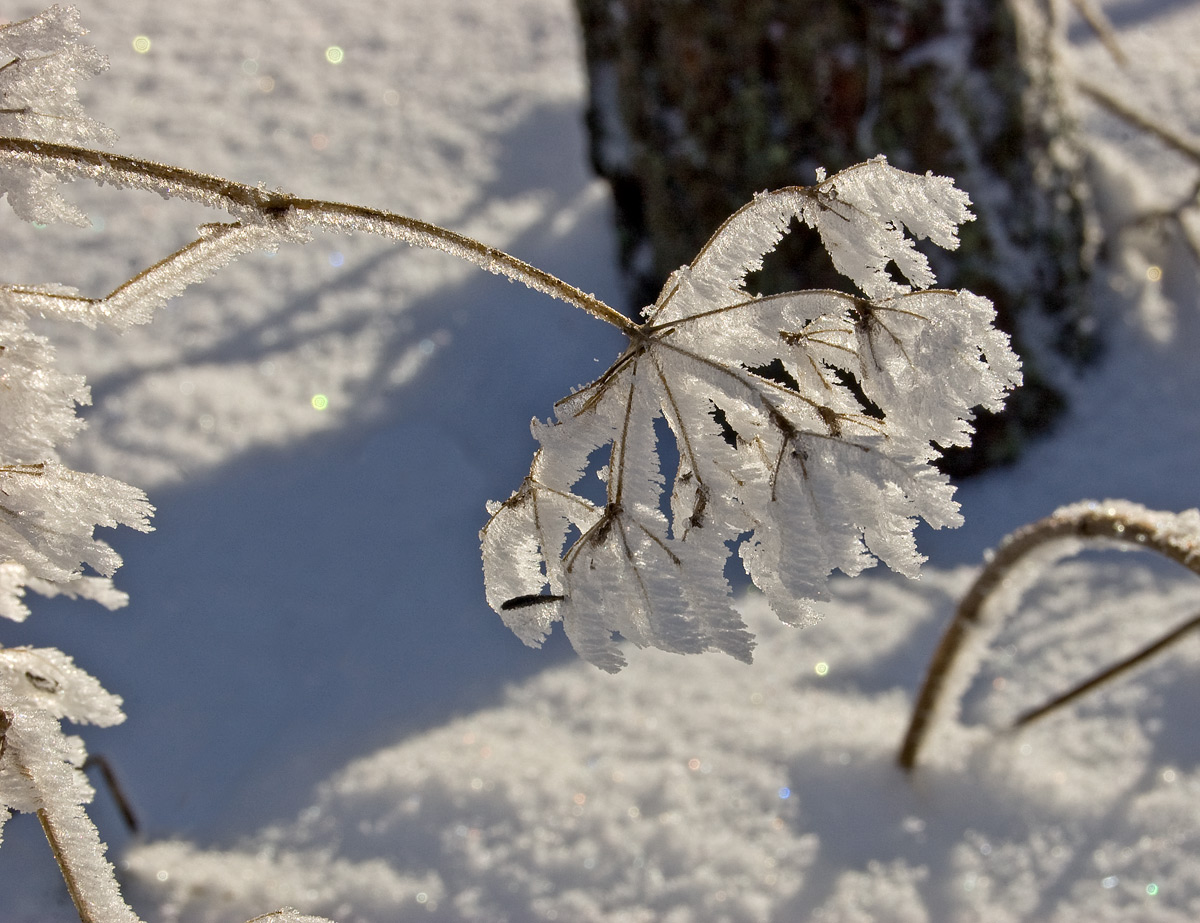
column 48, row 512
column 804, row 423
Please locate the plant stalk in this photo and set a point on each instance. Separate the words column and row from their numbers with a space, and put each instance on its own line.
column 245, row 201
column 1082, row 520
column 62, row 858
column 1102, row 677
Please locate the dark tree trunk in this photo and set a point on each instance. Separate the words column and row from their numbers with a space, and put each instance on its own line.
column 697, row 104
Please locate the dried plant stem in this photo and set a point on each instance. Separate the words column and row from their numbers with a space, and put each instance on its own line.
column 1105, row 675
column 1104, row 522
column 1103, row 27
column 74, row 841
column 115, row 789
column 1185, row 144
column 253, row 204
column 1180, row 141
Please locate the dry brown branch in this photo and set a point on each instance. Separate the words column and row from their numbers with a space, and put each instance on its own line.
column 1176, row 139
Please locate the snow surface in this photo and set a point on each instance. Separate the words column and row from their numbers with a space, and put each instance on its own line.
column 323, row 712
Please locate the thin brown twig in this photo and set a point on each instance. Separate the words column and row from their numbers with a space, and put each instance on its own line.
column 115, row 788
column 1105, row 675
column 1103, row 27
column 1176, row 139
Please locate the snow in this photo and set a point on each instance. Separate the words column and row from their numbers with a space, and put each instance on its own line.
column 324, row 713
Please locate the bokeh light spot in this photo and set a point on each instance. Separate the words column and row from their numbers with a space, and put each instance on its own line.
column 320, row 401
column 334, row 54
column 141, row 44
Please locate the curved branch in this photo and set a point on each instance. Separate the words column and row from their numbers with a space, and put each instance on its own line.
column 1110, row 521
column 256, row 205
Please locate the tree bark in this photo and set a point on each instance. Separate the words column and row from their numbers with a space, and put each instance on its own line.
column 697, row 104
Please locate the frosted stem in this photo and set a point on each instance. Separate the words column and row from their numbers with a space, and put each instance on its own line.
column 1102, row 522
column 63, row 858
column 258, row 205
column 72, row 836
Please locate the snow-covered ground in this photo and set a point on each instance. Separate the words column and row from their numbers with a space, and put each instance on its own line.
column 322, row 710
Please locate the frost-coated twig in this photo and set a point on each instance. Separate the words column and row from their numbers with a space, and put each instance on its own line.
column 1174, row 536
column 63, row 856
column 40, row 687
column 254, row 205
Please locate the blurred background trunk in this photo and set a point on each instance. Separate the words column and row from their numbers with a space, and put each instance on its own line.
column 697, row 104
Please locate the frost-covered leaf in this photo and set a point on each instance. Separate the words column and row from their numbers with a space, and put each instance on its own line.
column 48, row 513
column 803, row 425
column 41, row 767
column 15, row 579
column 46, row 679
column 41, row 59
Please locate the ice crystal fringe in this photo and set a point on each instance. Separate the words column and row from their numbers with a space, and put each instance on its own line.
column 40, row 60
